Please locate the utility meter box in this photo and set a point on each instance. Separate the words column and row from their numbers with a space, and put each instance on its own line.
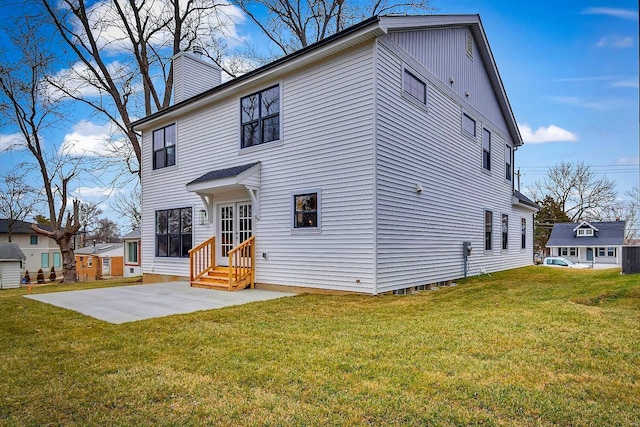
column 466, row 247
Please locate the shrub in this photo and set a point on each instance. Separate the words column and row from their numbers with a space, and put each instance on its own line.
column 52, row 275
column 40, row 276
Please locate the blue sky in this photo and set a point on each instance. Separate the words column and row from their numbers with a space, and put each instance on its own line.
column 570, row 69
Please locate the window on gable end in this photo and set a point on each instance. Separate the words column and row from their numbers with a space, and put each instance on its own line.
column 469, row 45
column 164, row 147
column 486, row 149
column 260, row 117
column 468, row 125
column 415, row 87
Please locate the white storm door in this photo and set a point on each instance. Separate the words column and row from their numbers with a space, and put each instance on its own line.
column 235, row 225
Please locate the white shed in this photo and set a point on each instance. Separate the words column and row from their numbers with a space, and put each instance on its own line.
column 11, row 259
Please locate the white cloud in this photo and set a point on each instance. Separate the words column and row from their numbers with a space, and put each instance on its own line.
column 615, row 41
column 84, row 193
column 628, row 161
column 90, row 139
column 551, row 133
column 111, row 36
column 631, row 82
column 11, row 141
column 612, row 11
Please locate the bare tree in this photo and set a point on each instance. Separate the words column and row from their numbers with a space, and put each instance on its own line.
column 576, row 189
column 25, row 104
column 143, row 36
column 627, row 210
column 128, row 206
column 106, row 231
column 292, row 25
column 88, row 214
column 17, row 199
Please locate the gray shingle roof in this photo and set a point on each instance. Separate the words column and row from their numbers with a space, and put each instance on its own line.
column 19, row 227
column 134, row 234
column 610, row 233
column 525, row 200
column 223, row 173
column 99, row 248
column 10, row 251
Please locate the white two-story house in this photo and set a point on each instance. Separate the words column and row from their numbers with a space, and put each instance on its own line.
column 362, row 163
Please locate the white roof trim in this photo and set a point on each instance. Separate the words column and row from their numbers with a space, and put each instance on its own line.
column 582, row 223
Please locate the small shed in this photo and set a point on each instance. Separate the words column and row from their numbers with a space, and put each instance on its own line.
column 11, row 260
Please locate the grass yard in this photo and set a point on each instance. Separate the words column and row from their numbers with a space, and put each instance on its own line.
column 532, row 346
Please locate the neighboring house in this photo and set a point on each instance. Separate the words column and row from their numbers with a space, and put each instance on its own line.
column 132, row 256
column 98, row 261
column 361, row 163
column 592, row 242
column 41, row 252
column 11, row 262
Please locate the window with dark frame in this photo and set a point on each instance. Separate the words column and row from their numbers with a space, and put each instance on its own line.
column 468, row 125
column 174, row 232
column 488, row 229
column 486, row 149
column 33, row 239
column 523, row 238
column 507, row 161
column 260, row 117
column 132, row 252
column 164, row 147
column 305, row 210
column 415, row 87
column 505, row 232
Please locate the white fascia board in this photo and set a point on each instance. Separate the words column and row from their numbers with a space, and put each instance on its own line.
column 206, row 186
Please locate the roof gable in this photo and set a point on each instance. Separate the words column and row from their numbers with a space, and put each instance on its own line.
column 357, row 34
column 11, row 252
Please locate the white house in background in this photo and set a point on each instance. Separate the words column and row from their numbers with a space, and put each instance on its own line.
column 11, row 261
column 360, row 163
column 588, row 242
column 41, row 252
column 132, row 258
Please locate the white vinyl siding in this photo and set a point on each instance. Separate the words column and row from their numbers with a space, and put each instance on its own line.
column 420, row 234
column 326, row 142
column 9, row 274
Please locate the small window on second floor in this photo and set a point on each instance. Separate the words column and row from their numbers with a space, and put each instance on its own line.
column 415, row 87
column 164, row 147
column 486, row 149
column 507, row 162
column 260, row 117
column 33, row 239
column 468, row 125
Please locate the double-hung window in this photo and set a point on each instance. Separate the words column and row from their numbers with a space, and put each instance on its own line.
column 164, row 147
column 306, row 210
column 173, row 232
column 260, row 117
column 505, row 232
column 486, row 149
column 488, row 229
column 507, row 162
column 415, row 87
column 132, row 252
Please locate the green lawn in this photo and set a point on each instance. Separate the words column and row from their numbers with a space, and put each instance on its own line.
column 533, row 346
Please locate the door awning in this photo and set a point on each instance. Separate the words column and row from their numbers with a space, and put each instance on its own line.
column 222, row 180
column 235, row 176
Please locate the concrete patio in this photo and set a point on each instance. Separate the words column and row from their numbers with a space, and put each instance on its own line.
column 123, row 304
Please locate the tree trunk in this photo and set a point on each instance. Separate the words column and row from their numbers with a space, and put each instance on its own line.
column 68, row 260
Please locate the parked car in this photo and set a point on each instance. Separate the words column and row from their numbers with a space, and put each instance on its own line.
column 556, row 261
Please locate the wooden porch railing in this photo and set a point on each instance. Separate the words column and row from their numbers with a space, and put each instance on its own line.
column 202, row 258
column 242, row 263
